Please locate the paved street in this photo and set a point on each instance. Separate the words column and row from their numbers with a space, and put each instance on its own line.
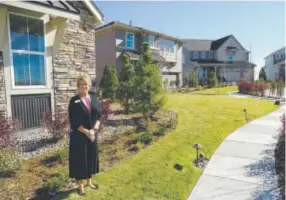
column 243, row 167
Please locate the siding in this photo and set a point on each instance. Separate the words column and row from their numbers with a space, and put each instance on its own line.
column 221, row 53
column 121, row 40
column 105, row 52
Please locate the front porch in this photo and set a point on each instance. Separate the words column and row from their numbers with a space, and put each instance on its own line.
column 225, row 72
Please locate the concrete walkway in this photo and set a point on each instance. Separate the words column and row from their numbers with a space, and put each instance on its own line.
column 243, row 167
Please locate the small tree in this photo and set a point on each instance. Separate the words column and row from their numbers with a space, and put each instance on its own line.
column 212, row 80
column 125, row 90
column 273, row 88
column 194, row 79
column 109, row 82
column 148, row 84
column 280, row 88
column 262, row 74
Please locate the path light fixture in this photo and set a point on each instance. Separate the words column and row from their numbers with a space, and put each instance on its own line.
column 245, row 113
column 197, row 147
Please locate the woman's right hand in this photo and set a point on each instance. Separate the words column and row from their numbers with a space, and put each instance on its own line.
column 91, row 135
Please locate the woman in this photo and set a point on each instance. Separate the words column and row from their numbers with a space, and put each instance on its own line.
column 84, row 115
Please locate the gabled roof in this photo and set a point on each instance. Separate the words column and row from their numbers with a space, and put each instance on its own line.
column 217, row 43
column 207, row 45
column 197, row 45
column 121, row 25
column 279, row 50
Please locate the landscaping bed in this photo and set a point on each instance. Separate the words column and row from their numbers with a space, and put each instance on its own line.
column 40, row 176
column 153, row 173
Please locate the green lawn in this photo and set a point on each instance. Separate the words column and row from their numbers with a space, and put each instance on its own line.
column 150, row 175
column 214, row 91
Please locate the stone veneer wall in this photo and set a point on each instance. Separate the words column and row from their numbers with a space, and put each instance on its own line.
column 2, row 87
column 76, row 56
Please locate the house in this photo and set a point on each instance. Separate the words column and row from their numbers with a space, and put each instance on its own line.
column 44, row 46
column 275, row 65
column 115, row 39
column 225, row 56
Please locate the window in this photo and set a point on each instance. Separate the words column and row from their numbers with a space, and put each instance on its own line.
column 167, row 45
column 210, row 55
column 203, row 55
column 130, row 40
column 152, row 40
column 195, row 54
column 277, row 56
column 245, row 56
column 27, row 40
column 229, row 57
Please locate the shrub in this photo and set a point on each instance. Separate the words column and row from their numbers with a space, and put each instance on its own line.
column 148, row 96
column 273, row 87
column 194, row 81
column 60, row 155
column 8, row 126
column 280, row 88
column 9, row 162
column 168, row 119
column 146, row 138
column 109, row 82
column 161, row 131
column 105, row 111
column 56, row 182
column 125, row 92
column 142, row 124
column 56, row 123
column 280, row 157
column 257, row 88
column 212, row 80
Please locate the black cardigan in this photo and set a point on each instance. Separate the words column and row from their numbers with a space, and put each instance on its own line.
column 79, row 115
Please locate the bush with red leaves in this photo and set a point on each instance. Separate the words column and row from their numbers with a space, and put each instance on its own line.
column 257, row 88
column 8, row 126
column 56, row 123
column 280, row 158
column 105, row 111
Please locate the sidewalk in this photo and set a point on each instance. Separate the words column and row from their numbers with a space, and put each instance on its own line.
column 243, row 167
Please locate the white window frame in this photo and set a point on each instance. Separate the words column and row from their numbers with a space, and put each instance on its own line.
column 126, row 40
column 203, row 55
column 277, row 56
column 26, row 52
column 195, row 54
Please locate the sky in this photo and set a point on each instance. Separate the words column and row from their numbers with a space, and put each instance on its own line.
column 258, row 26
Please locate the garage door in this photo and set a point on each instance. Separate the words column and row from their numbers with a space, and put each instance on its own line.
column 171, row 78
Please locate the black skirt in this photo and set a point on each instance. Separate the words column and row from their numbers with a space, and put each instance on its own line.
column 83, row 156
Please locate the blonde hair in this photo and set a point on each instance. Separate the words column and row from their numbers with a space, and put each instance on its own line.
column 83, row 79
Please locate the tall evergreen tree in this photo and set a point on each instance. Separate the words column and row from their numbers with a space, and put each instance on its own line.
column 126, row 79
column 262, row 74
column 109, row 82
column 212, row 80
column 194, row 81
column 148, row 84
